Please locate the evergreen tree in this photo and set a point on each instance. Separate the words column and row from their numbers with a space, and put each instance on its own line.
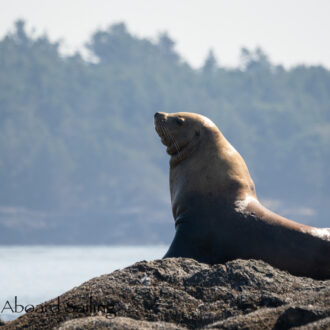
column 210, row 64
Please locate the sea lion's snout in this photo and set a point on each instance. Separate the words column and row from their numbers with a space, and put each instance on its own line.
column 159, row 120
column 160, row 116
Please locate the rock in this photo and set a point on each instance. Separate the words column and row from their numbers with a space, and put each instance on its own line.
column 186, row 294
column 284, row 317
column 117, row 323
column 318, row 325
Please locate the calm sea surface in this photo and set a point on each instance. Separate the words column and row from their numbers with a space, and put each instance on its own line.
column 35, row 274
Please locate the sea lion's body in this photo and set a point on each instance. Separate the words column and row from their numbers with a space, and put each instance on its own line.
column 217, row 214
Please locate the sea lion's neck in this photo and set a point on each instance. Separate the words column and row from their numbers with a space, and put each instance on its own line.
column 213, row 168
column 185, row 150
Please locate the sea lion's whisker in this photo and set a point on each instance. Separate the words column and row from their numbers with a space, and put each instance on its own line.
column 179, row 155
column 163, row 131
column 169, row 136
column 173, row 140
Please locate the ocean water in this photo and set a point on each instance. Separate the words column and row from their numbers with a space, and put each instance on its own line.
column 34, row 274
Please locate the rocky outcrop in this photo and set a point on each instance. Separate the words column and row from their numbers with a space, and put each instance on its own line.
column 117, row 323
column 182, row 293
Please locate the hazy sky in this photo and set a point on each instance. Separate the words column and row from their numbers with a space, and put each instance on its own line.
column 290, row 31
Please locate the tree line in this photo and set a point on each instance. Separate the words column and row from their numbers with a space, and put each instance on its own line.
column 80, row 161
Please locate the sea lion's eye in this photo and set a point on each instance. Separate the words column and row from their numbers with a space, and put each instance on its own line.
column 179, row 121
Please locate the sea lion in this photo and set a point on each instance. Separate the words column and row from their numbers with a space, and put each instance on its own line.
column 216, row 210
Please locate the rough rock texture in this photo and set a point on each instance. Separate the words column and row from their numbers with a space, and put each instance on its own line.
column 120, row 323
column 246, row 294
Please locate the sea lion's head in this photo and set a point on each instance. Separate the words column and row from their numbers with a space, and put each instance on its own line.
column 196, row 141
column 181, row 132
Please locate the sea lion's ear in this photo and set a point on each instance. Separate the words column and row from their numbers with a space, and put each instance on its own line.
column 197, row 133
